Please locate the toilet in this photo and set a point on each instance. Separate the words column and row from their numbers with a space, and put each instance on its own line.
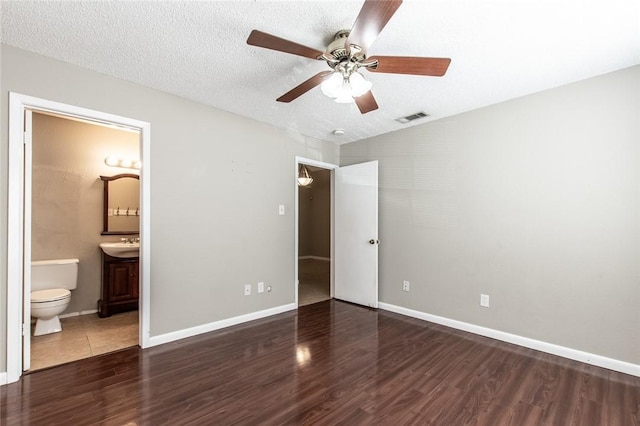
column 51, row 282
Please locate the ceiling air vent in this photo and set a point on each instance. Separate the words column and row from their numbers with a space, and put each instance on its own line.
column 412, row 117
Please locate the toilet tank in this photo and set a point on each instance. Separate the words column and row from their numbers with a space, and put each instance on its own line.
column 56, row 273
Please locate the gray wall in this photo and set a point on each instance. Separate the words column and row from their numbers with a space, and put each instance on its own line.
column 314, row 215
column 67, row 195
column 216, row 182
column 535, row 202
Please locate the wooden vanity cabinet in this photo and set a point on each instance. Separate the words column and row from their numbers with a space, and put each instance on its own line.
column 119, row 285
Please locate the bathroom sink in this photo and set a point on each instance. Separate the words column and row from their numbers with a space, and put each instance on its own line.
column 121, row 249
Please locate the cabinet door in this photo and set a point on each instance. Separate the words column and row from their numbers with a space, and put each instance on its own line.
column 123, row 281
column 134, row 267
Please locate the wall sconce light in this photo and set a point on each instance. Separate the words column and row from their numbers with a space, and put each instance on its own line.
column 304, row 178
column 122, row 162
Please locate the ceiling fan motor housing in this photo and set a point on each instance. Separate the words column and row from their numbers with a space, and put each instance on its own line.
column 338, row 50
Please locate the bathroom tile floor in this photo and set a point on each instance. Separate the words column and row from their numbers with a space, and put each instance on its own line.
column 83, row 337
column 315, row 284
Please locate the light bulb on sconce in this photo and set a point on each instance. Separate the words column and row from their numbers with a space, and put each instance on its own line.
column 111, row 161
column 122, row 162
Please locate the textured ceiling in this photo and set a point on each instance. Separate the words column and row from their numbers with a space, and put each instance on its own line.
column 500, row 49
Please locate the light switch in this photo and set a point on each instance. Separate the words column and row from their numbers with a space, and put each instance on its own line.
column 281, row 209
column 484, row 300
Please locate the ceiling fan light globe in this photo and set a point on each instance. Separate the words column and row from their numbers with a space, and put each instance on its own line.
column 331, row 86
column 344, row 98
column 345, row 95
column 359, row 86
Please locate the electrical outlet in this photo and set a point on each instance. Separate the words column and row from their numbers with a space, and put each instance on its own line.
column 260, row 287
column 247, row 289
column 484, row 300
column 405, row 285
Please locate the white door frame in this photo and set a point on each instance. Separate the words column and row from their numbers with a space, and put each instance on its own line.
column 26, row 279
column 17, row 258
column 315, row 163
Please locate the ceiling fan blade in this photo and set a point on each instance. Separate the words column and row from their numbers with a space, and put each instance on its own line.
column 268, row 41
column 304, row 87
column 366, row 103
column 372, row 18
column 435, row 67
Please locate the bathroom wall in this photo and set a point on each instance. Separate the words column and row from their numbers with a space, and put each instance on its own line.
column 216, row 182
column 534, row 202
column 314, row 216
column 67, row 195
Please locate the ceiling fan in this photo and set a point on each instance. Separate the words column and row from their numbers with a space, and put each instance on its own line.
column 346, row 54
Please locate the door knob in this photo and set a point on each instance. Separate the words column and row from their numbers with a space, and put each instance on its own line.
column 372, row 241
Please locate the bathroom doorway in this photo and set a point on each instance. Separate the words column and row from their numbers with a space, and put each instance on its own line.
column 21, row 111
column 67, row 160
column 314, row 262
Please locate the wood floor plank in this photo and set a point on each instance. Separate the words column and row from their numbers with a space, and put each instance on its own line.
column 328, row 363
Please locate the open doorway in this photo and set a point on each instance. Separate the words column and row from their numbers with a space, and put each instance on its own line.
column 21, row 109
column 314, row 263
column 314, row 237
column 353, row 231
column 67, row 162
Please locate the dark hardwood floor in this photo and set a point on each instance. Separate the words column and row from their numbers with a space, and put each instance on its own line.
column 329, row 363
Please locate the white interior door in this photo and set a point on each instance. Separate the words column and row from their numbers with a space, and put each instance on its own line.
column 26, row 285
column 356, row 233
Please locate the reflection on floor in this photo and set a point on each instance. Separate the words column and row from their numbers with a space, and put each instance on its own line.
column 83, row 337
column 314, row 277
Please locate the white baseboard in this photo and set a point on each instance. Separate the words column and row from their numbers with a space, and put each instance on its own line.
column 327, row 259
column 3, row 378
column 574, row 354
column 71, row 314
column 216, row 325
column 77, row 314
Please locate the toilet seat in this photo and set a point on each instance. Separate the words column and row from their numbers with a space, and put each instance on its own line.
column 49, row 295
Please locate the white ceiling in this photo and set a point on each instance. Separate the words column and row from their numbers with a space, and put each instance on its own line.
column 500, row 49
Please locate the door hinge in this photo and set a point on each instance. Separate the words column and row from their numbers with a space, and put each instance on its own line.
column 24, row 329
column 24, row 138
